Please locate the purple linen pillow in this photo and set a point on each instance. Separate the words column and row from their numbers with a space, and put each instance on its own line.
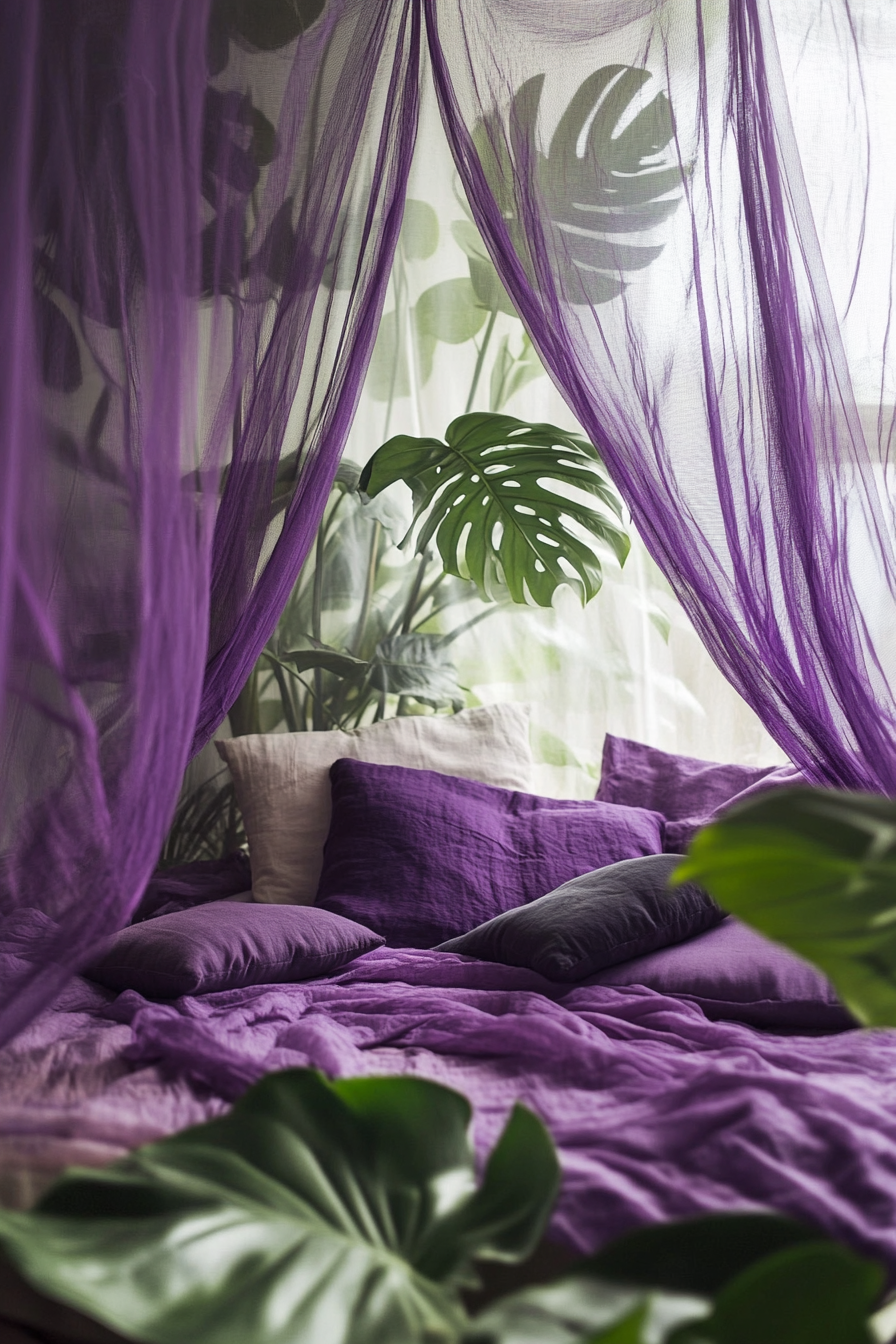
column 733, row 972
column 225, row 946
column 422, row 857
column 686, row 791
column 594, row 921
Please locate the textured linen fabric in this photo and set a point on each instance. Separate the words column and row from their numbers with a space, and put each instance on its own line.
column 283, row 787
column 688, row 792
column 594, row 921
column 222, row 945
column 733, row 972
column 422, row 857
column 656, row 1111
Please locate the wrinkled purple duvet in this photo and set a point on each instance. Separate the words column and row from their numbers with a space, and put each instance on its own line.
column 657, row 1112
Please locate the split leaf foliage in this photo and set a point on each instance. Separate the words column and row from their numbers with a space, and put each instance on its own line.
column 502, row 501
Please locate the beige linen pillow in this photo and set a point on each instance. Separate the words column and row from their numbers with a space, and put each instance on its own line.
column 283, row 786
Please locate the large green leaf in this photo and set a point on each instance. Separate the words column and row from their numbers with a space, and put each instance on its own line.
column 485, row 497
column 582, row 1308
column 449, row 312
column 314, row 1211
column 802, row 1295
column 721, row 1279
column 419, row 230
column 698, row 1255
column 398, row 352
column 607, row 173
column 420, row 666
column 311, row 653
column 814, row 869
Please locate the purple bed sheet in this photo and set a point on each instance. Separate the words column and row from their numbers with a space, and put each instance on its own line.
column 657, row 1112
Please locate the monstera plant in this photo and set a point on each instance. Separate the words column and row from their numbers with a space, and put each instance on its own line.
column 505, row 512
column 494, row 497
column 347, row 1212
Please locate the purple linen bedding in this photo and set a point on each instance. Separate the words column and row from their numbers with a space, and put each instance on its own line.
column 657, row 1111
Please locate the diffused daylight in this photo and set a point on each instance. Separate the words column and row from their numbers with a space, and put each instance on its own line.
column 447, row 672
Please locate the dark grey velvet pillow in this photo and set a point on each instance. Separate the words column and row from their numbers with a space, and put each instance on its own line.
column 223, row 945
column 595, row 921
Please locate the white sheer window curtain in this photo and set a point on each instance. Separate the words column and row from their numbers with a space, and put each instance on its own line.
column 630, row 662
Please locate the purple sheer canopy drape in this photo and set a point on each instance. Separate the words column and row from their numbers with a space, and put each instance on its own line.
column 201, row 201
column 690, row 205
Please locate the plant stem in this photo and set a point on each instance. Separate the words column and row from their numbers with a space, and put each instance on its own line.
column 400, row 283
column 410, row 607
column 361, row 628
column 316, row 623
column 474, row 620
column 428, row 592
column 285, row 699
column 480, row 359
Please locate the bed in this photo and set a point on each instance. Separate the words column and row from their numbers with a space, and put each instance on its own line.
column 657, row 1111
column 660, row 1104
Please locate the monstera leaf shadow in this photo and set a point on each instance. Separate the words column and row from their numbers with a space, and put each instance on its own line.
column 257, row 25
column 607, row 175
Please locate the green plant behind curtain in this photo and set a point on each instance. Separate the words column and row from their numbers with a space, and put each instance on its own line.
column 368, row 630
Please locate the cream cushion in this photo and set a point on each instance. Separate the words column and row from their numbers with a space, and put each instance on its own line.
column 283, row 786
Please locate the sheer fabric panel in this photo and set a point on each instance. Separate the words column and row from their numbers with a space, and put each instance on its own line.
column 688, row 204
column 630, row 662
column 200, row 200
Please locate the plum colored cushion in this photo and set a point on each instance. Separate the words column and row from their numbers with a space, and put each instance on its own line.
column 594, row 921
column 223, row 945
column 283, row 787
column 421, row 857
column 685, row 790
column 733, row 972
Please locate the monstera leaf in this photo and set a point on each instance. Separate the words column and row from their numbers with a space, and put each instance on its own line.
column 814, row 869
column 314, row 1211
column 485, row 497
column 605, row 174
